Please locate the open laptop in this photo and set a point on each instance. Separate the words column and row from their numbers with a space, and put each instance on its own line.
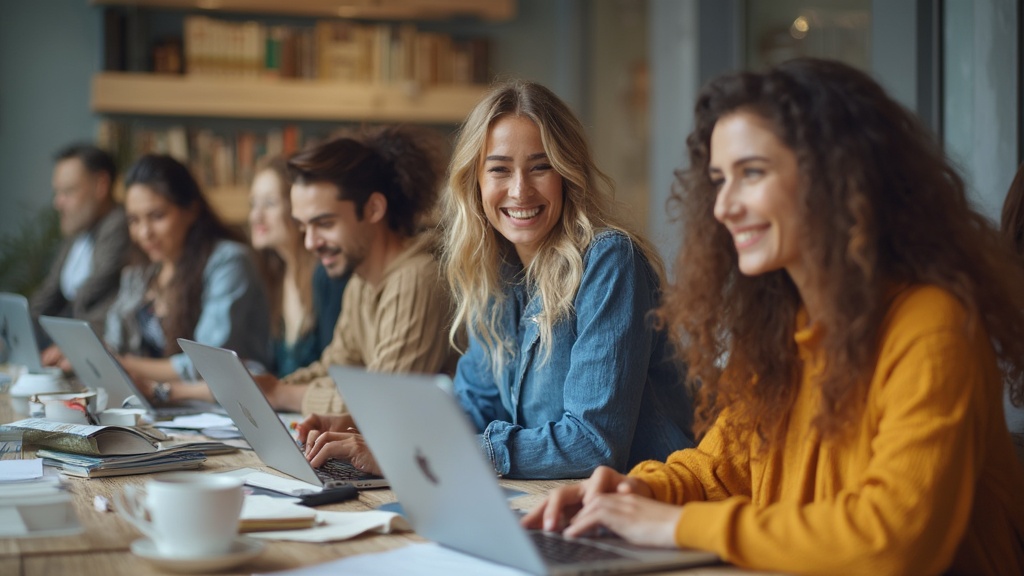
column 232, row 385
column 97, row 368
column 17, row 333
column 428, row 449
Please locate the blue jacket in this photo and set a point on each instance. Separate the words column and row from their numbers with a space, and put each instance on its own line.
column 611, row 392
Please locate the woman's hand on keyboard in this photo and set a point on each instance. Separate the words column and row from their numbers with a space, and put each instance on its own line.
column 347, row 446
column 316, row 424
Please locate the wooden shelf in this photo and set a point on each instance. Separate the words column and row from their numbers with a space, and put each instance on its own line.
column 495, row 10
column 166, row 95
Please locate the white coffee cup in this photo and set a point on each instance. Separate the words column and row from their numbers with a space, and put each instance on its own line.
column 190, row 515
column 31, row 383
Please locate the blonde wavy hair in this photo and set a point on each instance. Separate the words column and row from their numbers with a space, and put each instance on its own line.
column 474, row 254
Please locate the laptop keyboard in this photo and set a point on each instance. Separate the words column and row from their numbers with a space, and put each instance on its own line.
column 558, row 550
column 339, row 470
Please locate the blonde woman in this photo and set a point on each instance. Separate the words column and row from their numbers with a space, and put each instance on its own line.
column 304, row 301
column 564, row 370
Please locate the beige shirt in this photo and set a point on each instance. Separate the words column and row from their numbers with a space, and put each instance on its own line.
column 399, row 325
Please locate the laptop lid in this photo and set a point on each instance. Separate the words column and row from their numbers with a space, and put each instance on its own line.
column 94, row 365
column 238, row 394
column 17, row 332
column 429, row 450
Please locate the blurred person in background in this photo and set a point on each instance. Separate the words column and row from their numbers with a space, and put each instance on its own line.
column 304, row 300
column 200, row 282
column 83, row 280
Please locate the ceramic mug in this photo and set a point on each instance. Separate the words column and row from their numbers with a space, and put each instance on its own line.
column 29, row 384
column 187, row 515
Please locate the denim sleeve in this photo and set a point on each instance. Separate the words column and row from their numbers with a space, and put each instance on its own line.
column 603, row 388
column 475, row 389
column 234, row 313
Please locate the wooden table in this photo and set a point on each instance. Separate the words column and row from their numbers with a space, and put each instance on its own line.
column 102, row 548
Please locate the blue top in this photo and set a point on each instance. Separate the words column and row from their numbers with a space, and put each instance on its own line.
column 307, row 348
column 233, row 309
column 610, row 393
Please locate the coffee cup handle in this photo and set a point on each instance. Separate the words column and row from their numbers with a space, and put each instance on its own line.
column 129, row 505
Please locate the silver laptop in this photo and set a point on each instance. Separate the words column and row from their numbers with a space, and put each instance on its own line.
column 97, row 368
column 17, row 333
column 232, row 385
column 427, row 447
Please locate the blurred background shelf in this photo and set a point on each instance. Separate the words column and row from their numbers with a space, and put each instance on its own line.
column 174, row 95
column 494, row 10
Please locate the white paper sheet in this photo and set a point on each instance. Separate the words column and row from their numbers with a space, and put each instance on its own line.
column 21, row 470
column 411, row 560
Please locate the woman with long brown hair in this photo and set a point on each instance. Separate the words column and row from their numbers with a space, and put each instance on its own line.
column 199, row 283
column 851, row 320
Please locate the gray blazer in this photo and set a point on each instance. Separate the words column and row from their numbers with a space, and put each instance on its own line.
column 233, row 315
column 98, row 292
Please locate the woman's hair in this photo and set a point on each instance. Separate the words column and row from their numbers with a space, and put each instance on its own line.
column 404, row 163
column 171, row 180
column 272, row 265
column 883, row 207
column 475, row 253
column 1013, row 215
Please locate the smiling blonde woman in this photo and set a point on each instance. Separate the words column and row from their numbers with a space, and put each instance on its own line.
column 564, row 370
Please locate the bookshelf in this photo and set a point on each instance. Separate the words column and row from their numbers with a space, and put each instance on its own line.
column 493, row 10
column 228, row 97
column 244, row 94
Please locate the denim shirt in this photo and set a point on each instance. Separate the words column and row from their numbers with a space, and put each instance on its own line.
column 610, row 393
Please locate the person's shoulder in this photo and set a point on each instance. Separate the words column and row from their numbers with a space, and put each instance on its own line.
column 229, row 250
column 113, row 222
column 926, row 308
column 418, row 259
column 615, row 244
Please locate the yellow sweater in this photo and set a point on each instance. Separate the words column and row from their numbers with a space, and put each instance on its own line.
column 927, row 482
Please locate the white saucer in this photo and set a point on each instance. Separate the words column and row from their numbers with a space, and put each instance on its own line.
column 242, row 549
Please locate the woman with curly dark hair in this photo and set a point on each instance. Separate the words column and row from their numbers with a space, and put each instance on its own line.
column 199, row 282
column 851, row 319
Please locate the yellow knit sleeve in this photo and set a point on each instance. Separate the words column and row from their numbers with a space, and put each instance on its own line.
column 715, row 469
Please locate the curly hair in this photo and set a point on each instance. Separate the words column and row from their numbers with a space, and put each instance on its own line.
column 272, row 265
column 404, row 163
column 474, row 253
column 883, row 207
column 172, row 180
column 1012, row 220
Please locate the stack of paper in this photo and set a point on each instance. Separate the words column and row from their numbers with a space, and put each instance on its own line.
column 32, row 504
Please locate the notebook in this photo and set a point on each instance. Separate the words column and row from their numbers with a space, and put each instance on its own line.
column 232, row 385
column 17, row 333
column 97, row 368
column 427, row 447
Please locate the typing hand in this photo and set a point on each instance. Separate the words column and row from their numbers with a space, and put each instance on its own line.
column 563, row 504
column 317, row 423
column 348, row 446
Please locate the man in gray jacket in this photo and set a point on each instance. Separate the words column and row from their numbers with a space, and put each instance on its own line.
column 84, row 279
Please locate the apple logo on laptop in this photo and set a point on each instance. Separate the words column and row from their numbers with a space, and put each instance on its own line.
column 248, row 415
column 424, row 466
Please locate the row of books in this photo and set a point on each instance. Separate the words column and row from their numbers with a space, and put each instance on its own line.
column 217, row 159
column 340, row 50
